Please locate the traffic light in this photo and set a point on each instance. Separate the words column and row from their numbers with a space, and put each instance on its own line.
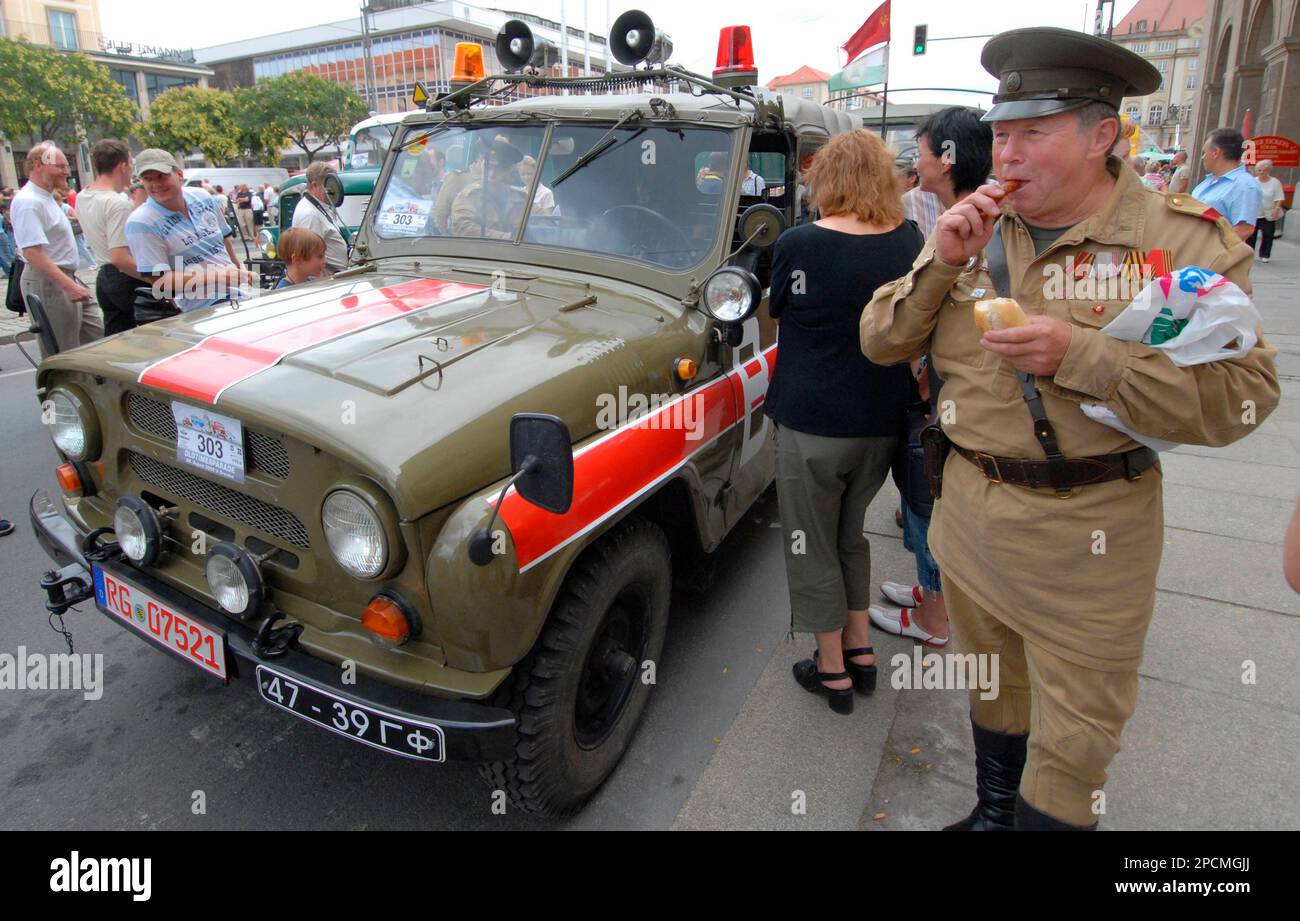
column 918, row 40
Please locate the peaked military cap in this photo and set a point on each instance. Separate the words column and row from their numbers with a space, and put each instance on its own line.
column 1042, row 71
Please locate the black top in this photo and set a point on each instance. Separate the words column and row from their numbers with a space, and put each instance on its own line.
column 822, row 280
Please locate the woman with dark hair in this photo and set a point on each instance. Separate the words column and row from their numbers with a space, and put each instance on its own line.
column 838, row 416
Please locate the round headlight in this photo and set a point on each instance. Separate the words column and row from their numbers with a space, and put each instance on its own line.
column 234, row 580
column 138, row 530
column 355, row 534
column 266, row 244
column 731, row 294
column 71, row 425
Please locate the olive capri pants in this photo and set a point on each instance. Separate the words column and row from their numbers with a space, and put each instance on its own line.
column 824, row 486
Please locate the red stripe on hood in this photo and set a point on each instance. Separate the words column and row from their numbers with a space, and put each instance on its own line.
column 204, row 370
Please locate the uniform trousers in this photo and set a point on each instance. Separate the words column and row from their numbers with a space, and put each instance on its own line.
column 1073, row 714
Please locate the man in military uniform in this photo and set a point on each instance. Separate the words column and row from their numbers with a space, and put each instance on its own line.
column 491, row 207
column 1049, row 526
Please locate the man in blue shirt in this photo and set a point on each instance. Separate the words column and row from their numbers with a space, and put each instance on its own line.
column 180, row 238
column 1229, row 189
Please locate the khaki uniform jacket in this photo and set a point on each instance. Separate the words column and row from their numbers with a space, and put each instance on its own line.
column 498, row 218
column 1076, row 575
column 452, row 186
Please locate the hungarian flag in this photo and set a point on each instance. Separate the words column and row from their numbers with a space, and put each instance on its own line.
column 872, row 32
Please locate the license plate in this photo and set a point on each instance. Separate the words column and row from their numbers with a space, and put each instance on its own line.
column 209, row 441
column 158, row 621
column 398, row 735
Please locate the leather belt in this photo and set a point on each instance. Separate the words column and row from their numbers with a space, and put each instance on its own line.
column 1078, row 471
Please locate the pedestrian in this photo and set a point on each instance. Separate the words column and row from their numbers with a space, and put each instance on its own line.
column 1181, row 181
column 244, row 211
column 104, row 213
column 833, row 452
column 316, row 213
column 223, row 202
column 955, row 158
column 544, row 200
column 303, row 253
column 84, row 256
column 180, row 238
column 46, row 244
column 8, row 251
column 1229, row 189
column 922, row 207
column 271, row 198
column 1051, row 564
column 1271, row 197
column 259, row 209
column 1151, row 177
column 136, row 194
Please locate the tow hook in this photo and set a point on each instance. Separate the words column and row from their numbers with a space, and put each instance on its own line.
column 65, row 587
column 274, row 642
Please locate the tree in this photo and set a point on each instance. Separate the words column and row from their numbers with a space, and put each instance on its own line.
column 188, row 117
column 259, row 137
column 49, row 95
column 307, row 108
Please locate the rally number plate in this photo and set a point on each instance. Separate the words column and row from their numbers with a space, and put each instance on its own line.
column 159, row 622
column 209, row 441
column 399, row 735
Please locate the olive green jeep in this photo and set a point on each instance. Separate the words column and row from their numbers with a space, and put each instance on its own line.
column 435, row 503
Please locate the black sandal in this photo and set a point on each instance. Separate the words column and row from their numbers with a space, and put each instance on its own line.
column 810, row 679
column 864, row 676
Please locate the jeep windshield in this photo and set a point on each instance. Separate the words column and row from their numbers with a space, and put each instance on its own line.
column 650, row 193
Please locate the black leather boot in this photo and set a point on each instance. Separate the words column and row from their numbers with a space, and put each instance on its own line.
column 1030, row 819
column 999, row 760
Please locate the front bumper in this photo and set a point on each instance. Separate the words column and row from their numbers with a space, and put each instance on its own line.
column 473, row 731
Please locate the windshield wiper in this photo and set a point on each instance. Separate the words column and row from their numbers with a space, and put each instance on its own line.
column 605, row 143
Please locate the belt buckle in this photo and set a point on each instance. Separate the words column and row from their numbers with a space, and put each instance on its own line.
column 980, row 457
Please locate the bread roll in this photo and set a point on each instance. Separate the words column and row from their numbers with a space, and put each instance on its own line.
column 999, row 313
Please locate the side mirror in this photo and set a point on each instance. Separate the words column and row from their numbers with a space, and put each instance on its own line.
column 334, row 190
column 541, row 442
column 541, row 457
column 760, row 225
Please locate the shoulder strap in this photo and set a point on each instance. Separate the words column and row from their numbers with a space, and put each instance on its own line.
column 1000, row 272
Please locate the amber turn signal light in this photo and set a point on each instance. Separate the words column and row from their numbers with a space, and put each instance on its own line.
column 69, row 479
column 388, row 620
column 686, row 368
column 469, row 63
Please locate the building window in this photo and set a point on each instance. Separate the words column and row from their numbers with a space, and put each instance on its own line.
column 1141, row 25
column 63, row 30
column 127, row 79
column 1155, row 114
column 1196, row 43
column 1164, row 46
column 1141, row 48
column 1191, row 82
column 1134, row 112
column 1194, row 64
column 1162, row 66
column 156, row 84
column 807, row 92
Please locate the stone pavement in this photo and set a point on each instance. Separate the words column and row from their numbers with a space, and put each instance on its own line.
column 1203, row 751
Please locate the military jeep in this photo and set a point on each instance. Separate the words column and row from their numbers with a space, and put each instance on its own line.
column 436, row 503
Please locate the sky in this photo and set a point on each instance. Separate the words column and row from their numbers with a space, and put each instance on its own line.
column 786, row 35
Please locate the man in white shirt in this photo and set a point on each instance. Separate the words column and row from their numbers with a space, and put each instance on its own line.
column 1181, row 183
column 1271, row 196
column 752, row 184
column 104, row 211
column 46, row 243
column 315, row 213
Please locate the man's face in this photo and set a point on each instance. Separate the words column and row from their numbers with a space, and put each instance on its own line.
column 1179, row 158
column 162, row 187
column 53, row 171
column 1209, row 156
column 932, row 170
column 122, row 175
column 498, row 173
column 1048, row 155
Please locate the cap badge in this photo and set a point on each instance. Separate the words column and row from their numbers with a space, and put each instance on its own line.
column 1013, row 81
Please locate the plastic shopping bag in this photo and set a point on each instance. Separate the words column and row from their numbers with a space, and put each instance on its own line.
column 1194, row 316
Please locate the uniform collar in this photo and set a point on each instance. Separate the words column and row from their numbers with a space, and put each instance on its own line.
column 1120, row 219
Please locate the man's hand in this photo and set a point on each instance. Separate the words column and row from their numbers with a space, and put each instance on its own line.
column 1037, row 348
column 964, row 229
column 76, row 291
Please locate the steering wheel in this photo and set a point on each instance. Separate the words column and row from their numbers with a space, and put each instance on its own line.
column 644, row 234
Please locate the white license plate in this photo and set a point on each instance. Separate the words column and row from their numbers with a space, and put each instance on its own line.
column 160, row 622
column 209, row 441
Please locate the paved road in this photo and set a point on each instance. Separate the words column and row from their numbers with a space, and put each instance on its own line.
column 727, row 741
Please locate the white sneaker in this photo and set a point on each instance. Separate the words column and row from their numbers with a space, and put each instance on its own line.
column 908, row 596
column 1263, row 259
column 898, row 621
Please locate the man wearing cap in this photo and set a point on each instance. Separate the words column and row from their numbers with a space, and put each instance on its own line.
column 491, row 207
column 315, row 212
column 1049, row 526
column 180, row 238
column 46, row 243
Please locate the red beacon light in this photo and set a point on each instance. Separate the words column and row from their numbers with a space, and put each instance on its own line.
column 736, row 57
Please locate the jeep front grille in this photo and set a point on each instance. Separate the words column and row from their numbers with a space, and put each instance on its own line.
column 221, row 500
column 265, row 453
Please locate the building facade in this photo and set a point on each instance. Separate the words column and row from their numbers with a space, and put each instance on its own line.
column 1252, row 64
column 806, row 83
column 144, row 71
column 1171, row 35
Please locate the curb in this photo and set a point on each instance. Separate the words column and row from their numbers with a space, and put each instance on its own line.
column 11, row 338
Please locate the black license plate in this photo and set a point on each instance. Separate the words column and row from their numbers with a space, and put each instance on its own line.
column 398, row 735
